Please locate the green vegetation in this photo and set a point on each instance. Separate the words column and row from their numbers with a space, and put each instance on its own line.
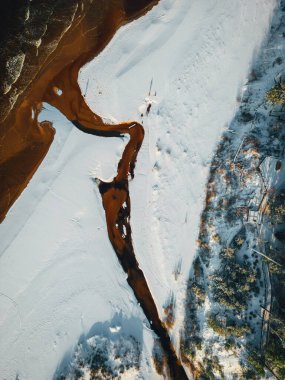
column 229, row 327
column 230, row 344
column 248, row 373
column 199, row 291
column 276, row 95
column 232, row 283
column 216, row 238
column 196, row 293
column 228, row 253
column 275, row 356
column 276, row 207
column 103, row 358
column 210, row 368
column 257, row 362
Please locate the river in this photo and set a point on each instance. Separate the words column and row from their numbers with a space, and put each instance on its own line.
column 57, row 84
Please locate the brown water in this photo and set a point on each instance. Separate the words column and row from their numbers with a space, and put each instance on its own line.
column 26, row 141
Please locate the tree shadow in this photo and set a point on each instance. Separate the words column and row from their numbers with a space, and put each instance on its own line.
column 114, row 330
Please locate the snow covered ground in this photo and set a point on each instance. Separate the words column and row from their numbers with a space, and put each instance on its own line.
column 238, row 222
column 58, row 272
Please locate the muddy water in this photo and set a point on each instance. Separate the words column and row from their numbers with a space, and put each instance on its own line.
column 26, row 141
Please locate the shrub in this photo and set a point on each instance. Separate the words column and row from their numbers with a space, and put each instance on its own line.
column 230, row 344
column 216, row 238
column 230, row 328
column 276, row 208
column 209, row 367
column 169, row 311
column 275, row 356
column 276, row 95
column 101, row 357
column 159, row 358
column 257, row 362
column 239, row 241
column 248, row 373
column 199, row 292
column 228, row 252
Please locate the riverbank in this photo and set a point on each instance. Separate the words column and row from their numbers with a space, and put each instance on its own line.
column 230, row 291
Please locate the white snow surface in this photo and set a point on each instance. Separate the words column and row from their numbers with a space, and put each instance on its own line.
column 58, row 272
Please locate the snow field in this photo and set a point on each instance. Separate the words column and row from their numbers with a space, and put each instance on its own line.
column 58, row 272
column 189, row 61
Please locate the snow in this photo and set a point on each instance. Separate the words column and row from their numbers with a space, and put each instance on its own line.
column 194, row 57
column 115, row 329
column 58, row 272
column 256, row 129
column 59, row 269
column 115, row 353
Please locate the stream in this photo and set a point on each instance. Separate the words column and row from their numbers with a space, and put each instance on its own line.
column 57, row 84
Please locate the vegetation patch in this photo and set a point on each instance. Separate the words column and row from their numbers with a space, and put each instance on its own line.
column 276, row 95
column 101, row 358
column 231, row 285
column 228, row 326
